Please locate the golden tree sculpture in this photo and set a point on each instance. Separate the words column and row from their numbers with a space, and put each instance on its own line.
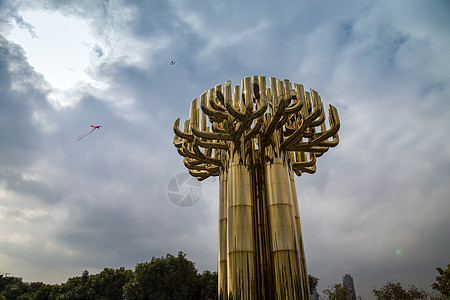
column 255, row 139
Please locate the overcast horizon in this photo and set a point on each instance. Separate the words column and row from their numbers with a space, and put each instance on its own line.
column 377, row 208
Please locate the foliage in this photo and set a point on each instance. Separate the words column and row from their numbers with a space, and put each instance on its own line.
column 15, row 290
column 443, row 282
column 75, row 288
column 395, row 291
column 338, row 292
column 175, row 277
column 313, row 282
column 208, row 285
column 437, row 296
column 20, row 290
column 5, row 281
column 108, row 284
column 170, row 277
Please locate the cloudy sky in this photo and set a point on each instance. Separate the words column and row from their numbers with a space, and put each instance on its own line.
column 377, row 208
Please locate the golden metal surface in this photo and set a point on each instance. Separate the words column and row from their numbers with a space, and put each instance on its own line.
column 255, row 137
column 222, row 246
column 240, row 233
column 282, row 227
column 301, row 251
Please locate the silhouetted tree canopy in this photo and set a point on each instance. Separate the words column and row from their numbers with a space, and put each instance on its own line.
column 442, row 284
column 338, row 292
column 313, row 282
column 169, row 277
column 395, row 291
column 175, row 277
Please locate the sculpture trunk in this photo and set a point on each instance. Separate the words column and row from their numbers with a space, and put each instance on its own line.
column 240, row 233
column 260, row 234
column 283, row 238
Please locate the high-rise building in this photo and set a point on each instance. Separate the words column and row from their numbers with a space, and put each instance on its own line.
column 314, row 296
column 348, row 282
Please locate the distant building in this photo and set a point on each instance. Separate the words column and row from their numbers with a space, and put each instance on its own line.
column 348, row 282
column 314, row 296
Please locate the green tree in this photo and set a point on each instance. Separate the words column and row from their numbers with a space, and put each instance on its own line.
column 395, row 291
column 443, row 282
column 15, row 290
column 36, row 291
column 75, row 288
column 313, row 282
column 437, row 296
column 108, row 284
column 170, row 277
column 6, row 280
column 42, row 291
column 338, row 292
column 208, row 285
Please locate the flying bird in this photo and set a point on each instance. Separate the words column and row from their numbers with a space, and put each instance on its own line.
column 172, row 63
column 84, row 134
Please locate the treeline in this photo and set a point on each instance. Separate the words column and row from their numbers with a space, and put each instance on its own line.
column 169, row 277
column 175, row 277
column 394, row 290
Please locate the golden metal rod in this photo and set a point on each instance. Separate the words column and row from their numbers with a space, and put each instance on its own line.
column 222, row 246
column 301, row 250
column 283, row 249
column 240, row 233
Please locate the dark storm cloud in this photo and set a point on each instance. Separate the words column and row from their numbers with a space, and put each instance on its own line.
column 22, row 97
column 15, row 182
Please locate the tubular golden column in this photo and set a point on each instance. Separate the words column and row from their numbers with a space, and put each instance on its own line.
column 255, row 139
column 298, row 230
column 265, row 286
column 241, row 235
column 284, row 252
column 222, row 246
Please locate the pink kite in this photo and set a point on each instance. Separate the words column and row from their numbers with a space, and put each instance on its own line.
column 88, row 132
